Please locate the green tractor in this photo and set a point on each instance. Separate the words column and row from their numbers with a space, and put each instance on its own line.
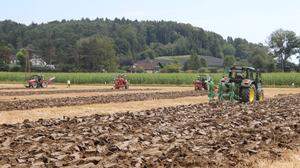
column 243, row 84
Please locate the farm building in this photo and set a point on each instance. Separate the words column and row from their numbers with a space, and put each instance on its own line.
column 211, row 61
column 37, row 61
column 148, row 65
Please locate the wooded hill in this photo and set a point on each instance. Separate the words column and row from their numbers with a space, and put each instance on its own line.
column 94, row 45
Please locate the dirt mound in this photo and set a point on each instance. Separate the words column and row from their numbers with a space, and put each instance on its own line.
column 203, row 135
column 101, row 99
column 38, row 92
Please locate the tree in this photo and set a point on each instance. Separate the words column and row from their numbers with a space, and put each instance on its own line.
column 203, row 62
column 97, row 53
column 171, row 68
column 242, row 48
column 148, row 53
column 57, row 42
column 21, row 57
column 228, row 49
column 260, row 59
column 284, row 44
column 229, row 60
column 193, row 63
column 5, row 53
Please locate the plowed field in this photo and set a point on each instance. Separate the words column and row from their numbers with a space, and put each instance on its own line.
column 143, row 127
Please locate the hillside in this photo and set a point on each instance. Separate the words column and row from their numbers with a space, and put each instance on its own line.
column 103, row 44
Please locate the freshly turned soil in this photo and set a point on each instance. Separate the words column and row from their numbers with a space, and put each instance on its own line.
column 202, row 135
column 99, row 99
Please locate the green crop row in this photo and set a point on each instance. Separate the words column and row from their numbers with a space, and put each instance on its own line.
column 146, row 78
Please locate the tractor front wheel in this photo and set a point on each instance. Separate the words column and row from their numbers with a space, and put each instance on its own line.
column 248, row 94
column 44, row 84
column 260, row 96
column 34, row 85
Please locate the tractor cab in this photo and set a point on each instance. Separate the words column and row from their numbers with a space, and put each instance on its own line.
column 37, row 78
column 238, row 74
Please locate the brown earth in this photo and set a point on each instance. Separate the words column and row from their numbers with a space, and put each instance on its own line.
column 82, row 91
column 200, row 135
column 288, row 159
column 101, row 99
column 47, row 92
column 16, row 116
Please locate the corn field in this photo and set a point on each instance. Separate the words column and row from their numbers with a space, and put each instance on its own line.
column 270, row 79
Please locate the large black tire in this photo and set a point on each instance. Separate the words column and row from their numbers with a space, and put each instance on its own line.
column 246, row 94
column 126, row 86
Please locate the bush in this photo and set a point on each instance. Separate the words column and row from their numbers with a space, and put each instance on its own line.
column 214, row 70
column 4, row 67
column 121, row 71
column 171, row 68
column 190, row 71
column 15, row 68
column 139, row 70
column 202, row 70
column 66, row 68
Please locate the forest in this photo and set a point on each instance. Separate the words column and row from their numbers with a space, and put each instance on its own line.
column 110, row 45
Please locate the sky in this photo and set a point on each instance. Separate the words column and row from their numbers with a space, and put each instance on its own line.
column 253, row 20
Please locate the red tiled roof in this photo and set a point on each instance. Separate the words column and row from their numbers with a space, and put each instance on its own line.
column 147, row 64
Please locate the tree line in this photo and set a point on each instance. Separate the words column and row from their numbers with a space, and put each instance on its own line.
column 108, row 45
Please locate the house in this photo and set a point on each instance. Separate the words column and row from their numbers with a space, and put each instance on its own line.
column 148, row 65
column 210, row 60
column 13, row 59
column 37, row 61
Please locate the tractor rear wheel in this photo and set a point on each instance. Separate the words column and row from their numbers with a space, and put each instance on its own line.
column 248, row 94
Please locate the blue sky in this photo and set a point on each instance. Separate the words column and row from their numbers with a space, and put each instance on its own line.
column 250, row 19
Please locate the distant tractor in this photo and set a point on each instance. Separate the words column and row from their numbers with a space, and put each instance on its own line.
column 38, row 81
column 201, row 83
column 243, row 84
column 121, row 82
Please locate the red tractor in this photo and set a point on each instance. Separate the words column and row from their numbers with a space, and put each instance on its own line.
column 121, row 82
column 201, row 82
column 38, row 81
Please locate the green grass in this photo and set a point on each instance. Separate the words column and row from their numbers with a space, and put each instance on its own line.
column 146, row 78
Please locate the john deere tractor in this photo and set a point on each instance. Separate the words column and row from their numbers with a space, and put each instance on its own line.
column 243, row 84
